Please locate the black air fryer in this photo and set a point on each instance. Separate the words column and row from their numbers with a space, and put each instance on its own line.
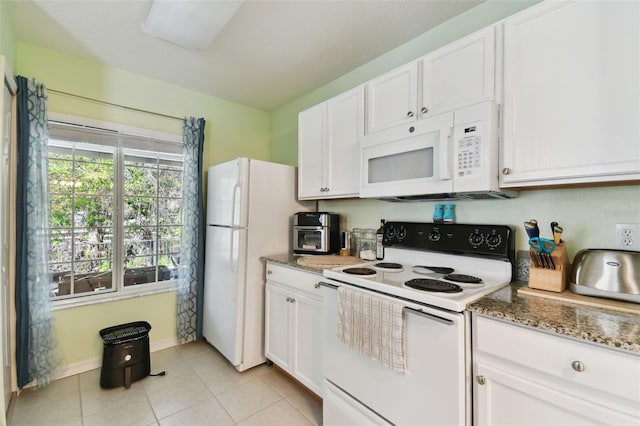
column 126, row 354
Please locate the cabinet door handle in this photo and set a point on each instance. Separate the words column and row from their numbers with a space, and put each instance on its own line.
column 506, row 171
column 481, row 380
column 410, row 114
column 577, row 366
column 424, row 110
column 291, row 300
column 269, row 272
column 316, row 285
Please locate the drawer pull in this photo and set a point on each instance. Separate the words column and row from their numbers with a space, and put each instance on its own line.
column 481, row 380
column 316, row 285
column 577, row 366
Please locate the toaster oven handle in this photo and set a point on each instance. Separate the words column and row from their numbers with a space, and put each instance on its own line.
column 444, row 149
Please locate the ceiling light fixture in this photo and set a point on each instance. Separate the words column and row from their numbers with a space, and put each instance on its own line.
column 193, row 24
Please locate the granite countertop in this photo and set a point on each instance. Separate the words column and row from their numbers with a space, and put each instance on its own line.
column 290, row 259
column 597, row 325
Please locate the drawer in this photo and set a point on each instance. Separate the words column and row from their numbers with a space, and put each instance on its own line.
column 295, row 278
column 603, row 369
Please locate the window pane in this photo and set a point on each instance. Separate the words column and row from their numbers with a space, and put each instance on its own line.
column 60, row 174
column 140, row 211
column 94, row 176
column 170, row 211
column 60, row 279
column 140, row 179
column 170, row 182
column 94, row 212
column 60, row 211
column 60, row 246
column 169, row 251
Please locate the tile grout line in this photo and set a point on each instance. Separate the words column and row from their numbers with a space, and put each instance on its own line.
column 285, row 398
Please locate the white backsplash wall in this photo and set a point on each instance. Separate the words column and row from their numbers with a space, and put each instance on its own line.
column 588, row 215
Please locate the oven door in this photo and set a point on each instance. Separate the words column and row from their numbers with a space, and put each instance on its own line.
column 432, row 391
column 419, row 161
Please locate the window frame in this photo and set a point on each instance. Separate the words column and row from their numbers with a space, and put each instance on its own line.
column 120, row 291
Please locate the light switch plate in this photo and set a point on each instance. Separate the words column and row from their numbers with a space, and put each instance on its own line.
column 627, row 236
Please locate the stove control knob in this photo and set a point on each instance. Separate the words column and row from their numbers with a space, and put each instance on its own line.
column 476, row 239
column 434, row 236
column 390, row 232
column 401, row 233
column 494, row 240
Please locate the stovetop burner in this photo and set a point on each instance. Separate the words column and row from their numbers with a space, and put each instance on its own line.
column 427, row 284
column 425, row 270
column 359, row 271
column 389, row 266
column 462, row 278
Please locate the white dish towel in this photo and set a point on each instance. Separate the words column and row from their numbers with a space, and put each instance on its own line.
column 372, row 326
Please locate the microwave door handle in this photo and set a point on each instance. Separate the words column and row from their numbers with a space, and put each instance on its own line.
column 445, row 154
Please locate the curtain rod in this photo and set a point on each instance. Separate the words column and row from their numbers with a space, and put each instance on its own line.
column 115, row 105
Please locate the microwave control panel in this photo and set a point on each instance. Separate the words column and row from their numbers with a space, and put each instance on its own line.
column 468, row 150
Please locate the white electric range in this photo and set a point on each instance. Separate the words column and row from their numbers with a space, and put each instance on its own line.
column 433, row 271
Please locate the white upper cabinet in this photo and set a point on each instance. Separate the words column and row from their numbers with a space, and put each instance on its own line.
column 392, row 98
column 572, row 94
column 459, row 74
column 328, row 147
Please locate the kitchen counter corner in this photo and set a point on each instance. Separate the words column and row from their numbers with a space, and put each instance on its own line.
column 597, row 325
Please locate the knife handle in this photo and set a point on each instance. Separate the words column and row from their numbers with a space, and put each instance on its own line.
column 557, row 234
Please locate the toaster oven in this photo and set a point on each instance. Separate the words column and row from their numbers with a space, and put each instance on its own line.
column 316, row 233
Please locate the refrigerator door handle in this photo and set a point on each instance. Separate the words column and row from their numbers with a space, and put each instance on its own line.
column 236, row 190
column 232, row 263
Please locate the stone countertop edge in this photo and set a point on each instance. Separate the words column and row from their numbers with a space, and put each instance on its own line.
column 290, row 259
column 602, row 326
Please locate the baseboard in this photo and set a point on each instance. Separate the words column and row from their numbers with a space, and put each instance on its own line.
column 93, row 363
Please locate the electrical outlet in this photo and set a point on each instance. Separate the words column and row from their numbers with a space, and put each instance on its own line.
column 627, row 236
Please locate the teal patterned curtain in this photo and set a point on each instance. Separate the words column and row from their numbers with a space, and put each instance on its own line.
column 191, row 269
column 35, row 356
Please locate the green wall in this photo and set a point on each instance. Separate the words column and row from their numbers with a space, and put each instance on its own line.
column 232, row 130
column 284, row 132
column 7, row 36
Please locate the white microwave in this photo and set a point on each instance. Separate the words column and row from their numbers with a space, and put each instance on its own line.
column 453, row 155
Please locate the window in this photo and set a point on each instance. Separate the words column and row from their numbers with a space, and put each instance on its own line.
column 115, row 204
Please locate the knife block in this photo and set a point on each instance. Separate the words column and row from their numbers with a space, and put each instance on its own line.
column 551, row 279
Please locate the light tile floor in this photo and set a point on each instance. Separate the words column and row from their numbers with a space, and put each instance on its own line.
column 200, row 388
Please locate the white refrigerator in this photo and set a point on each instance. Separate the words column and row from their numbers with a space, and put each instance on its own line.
column 250, row 204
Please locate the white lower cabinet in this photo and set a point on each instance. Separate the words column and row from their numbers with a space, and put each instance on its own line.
column 526, row 377
column 293, row 326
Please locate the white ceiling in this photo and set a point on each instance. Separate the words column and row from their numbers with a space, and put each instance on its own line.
column 270, row 53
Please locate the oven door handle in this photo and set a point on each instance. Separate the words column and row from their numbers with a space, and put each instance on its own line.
column 327, row 285
column 445, row 321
